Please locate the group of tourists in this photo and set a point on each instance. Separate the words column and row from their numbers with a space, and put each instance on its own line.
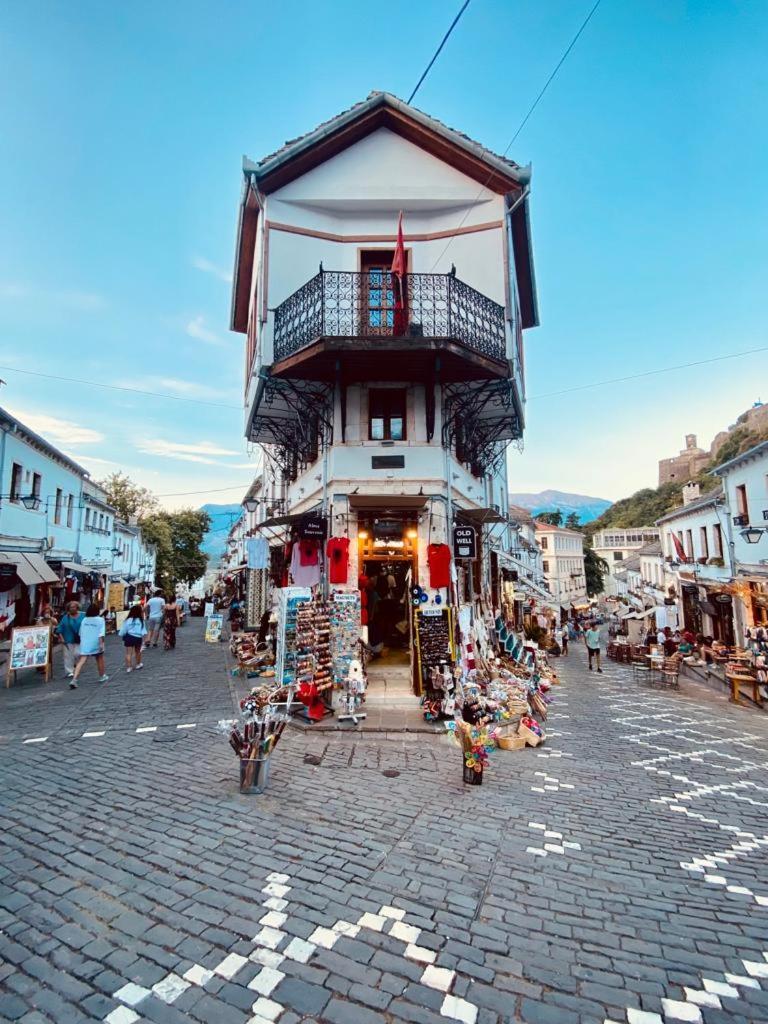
column 82, row 634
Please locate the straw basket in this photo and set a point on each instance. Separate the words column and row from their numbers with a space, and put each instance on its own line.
column 528, row 735
column 510, row 742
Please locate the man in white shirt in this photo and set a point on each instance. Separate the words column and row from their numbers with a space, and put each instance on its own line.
column 155, row 609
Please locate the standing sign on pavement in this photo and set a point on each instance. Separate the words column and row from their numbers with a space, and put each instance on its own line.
column 464, row 542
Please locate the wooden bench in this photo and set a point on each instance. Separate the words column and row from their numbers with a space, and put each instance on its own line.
column 737, row 680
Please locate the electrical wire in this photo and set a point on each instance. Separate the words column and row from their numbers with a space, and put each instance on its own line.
column 523, row 123
column 648, row 373
column 117, row 387
column 428, row 68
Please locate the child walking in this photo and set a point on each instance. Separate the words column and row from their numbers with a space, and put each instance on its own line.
column 133, row 631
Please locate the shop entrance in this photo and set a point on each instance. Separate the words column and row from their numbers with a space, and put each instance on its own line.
column 387, row 556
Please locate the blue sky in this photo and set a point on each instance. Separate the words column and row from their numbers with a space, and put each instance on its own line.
column 122, row 129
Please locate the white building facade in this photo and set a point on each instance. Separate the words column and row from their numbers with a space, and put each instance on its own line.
column 562, row 554
column 393, row 423
column 615, row 545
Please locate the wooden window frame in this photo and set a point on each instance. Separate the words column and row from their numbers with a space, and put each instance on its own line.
column 58, row 506
column 16, row 482
column 387, row 417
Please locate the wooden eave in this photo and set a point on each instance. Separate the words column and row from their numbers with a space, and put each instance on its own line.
column 389, row 359
column 244, row 257
column 384, row 116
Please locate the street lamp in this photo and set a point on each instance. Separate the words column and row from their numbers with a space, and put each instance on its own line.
column 752, row 534
column 251, row 504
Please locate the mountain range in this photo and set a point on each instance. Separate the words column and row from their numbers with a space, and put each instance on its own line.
column 585, row 507
column 222, row 517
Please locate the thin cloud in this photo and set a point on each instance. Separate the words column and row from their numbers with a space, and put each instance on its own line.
column 57, row 431
column 176, row 386
column 181, row 450
column 196, row 328
column 207, row 267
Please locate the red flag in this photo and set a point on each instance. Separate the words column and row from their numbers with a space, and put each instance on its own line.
column 679, row 548
column 400, row 321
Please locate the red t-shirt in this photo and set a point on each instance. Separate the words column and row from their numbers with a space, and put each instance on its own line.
column 439, row 562
column 308, row 552
column 337, row 551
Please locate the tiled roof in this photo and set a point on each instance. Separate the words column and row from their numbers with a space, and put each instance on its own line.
column 374, row 99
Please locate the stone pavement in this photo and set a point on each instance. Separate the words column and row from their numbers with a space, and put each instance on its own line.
column 616, row 874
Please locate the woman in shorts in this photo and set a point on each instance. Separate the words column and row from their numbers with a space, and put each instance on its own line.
column 92, row 631
column 133, row 632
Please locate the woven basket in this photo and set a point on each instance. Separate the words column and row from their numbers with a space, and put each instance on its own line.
column 510, row 742
column 529, row 735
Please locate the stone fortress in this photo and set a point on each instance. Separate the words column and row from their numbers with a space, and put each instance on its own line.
column 692, row 459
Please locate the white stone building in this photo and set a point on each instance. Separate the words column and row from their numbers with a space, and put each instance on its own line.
column 393, row 424
column 615, row 545
column 562, row 554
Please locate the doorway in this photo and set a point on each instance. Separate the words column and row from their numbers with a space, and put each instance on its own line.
column 377, row 300
column 389, row 626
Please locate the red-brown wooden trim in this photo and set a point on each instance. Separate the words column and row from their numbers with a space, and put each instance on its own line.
column 244, row 265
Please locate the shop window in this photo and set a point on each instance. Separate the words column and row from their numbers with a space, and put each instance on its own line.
column 741, row 500
column 16, row 473
column 386, row 414
column 57, row 507
column 717, row 539
column 70, row 506
column 704, row 542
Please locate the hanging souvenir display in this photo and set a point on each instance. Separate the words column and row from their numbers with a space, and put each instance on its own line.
column 264, row 716
column 435, row 660
column 256, row 596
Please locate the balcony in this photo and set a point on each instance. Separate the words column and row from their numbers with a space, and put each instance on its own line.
column 342, row 311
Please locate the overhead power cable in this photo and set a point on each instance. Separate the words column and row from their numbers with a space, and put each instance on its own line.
column 523, row 123
column 118, row 387
column 444, row 40
column 648, row 373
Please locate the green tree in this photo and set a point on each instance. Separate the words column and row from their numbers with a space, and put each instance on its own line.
column 595, row 569
column 572, row 521
column 178, row 536
column 127, row 497
column 554, row 518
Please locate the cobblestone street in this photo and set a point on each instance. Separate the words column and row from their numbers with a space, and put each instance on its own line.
column 618, row 873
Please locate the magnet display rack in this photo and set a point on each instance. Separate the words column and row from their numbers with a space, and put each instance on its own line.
column 433, row 629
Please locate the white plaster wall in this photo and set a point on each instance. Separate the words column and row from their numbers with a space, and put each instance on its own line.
column 754, row 476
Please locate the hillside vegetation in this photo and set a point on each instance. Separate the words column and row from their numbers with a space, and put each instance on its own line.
column 646, row 506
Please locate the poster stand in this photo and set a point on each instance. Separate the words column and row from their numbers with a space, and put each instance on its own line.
column 31, row 647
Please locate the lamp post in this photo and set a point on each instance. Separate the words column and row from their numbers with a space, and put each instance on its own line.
column 752, row 534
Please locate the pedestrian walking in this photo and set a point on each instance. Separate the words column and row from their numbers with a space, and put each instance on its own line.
column 68, row 632
column 170, row 622
column 133, row 631
column 93, row 629
column 565, row 639
column 592, row 640
column 155, row 610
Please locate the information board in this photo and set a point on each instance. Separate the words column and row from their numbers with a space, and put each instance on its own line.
column 213, row 628
column 30, row 648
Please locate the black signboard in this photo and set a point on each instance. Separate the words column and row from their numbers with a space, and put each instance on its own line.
column 313, row 526
column 464, row 542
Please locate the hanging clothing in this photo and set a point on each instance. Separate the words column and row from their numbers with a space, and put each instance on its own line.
column 439, row 562
column 309, row 551
column 257, row 550
column 337, row 551
column 304, row 575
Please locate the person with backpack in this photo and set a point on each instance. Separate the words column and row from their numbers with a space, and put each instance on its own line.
column 68, row 632
column 133, row 631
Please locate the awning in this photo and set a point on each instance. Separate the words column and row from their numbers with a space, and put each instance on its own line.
column 288, row 519
column 386, row 502
column 30, row 568
column 76, row 567
column 580, row 606
column 480, row 515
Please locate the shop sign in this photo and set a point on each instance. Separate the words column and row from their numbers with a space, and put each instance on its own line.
column 213, row 628
column 464, row 542
column 723, row 598
column 432, row 611
column 7, row 570
column 313, row 526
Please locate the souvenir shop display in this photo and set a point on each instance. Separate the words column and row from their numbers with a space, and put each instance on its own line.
column 264, row 716
column 256, row 596
column 337, row 552
column 352, row 696
column 253, row 658
column 314, row 675
column 476, row 742
column 290, row 600
column 306, row 562
column 435, row 653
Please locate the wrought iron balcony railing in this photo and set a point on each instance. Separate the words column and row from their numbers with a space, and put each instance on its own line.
column 344, row 304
